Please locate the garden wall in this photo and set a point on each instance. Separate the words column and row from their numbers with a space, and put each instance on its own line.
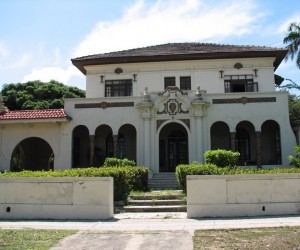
column 243, row 195
column 56, row 198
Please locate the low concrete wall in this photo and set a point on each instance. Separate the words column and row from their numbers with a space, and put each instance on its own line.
column 56, row 198
column 242, row 195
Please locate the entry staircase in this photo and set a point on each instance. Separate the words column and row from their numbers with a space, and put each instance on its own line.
column 163, row 181
column 172, row 200
column 156, row 203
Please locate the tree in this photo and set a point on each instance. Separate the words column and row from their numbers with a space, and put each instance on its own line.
column 293, row 37
column 294, row 109
column 38, row 95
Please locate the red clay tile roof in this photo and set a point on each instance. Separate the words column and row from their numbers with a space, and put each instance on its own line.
column 34, row 114
column 180, row 51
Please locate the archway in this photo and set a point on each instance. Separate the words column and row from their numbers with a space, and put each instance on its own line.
column 245, row 143
column 173, row 147
column 220, row 136
column 81, row 147
column 127, row 142
column 104, row 145
column 34, row 154
column 270, row 143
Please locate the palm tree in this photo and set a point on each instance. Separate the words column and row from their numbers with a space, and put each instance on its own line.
column 293, row 37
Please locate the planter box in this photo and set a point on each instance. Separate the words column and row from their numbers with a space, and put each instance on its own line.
column 243, row 195
column 56, row 198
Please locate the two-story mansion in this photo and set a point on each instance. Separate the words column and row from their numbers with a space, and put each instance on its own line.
column 161, row 106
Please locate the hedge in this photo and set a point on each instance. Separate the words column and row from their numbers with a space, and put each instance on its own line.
column 209, row 169
column 222, row 158
column 125, row 178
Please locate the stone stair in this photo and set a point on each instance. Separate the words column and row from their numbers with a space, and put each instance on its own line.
column 156, row 203
column 163, row 181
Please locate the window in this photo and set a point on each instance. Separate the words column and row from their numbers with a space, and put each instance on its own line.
column 240, row 83
column 185, row 82
column 169, row 81
column 118, row 88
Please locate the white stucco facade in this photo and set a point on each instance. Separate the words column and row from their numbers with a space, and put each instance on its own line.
column 161, row 127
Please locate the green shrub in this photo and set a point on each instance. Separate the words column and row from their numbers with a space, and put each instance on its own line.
column 195, row 169
column 125, row 178
column 222, row 158
column 116, row 162
column 295, row 160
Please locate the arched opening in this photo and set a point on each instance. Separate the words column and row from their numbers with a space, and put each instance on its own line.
column 104, row 144
column 81, row 147
column 127, row 142
column 270, row 143
column 220, row 136
column 33, row 154
column 173, row 147
column 245, row 143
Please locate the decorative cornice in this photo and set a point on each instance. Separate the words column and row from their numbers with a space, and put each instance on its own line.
column 103, row 105
column 172, row 107
column 244, row 100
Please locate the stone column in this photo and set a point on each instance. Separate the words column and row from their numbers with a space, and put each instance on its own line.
column 258, row 149
column 116, row 147
column 146, row 142
column 232, row 141
column 92, row 149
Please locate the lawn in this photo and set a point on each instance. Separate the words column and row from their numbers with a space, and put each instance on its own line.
column 31, row 238
column 255, row 238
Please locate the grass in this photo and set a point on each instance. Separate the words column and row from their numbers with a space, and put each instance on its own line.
column 254, row 238
column 31, row 238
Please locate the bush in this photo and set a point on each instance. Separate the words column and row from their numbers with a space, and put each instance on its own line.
column 295, row 160
column 195, row 169
column 125, row 178
column 222, row 158
column 116, row 162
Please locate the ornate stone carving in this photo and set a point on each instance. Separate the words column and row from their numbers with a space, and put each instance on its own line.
column 172, row 107
column 159, row 123
column 186, row 122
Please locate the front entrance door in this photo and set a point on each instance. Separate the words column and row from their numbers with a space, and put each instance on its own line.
column 173, row 147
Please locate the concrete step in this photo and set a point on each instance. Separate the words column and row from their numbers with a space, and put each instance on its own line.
column 157, row 197
column 141, row 209
column 156, row 202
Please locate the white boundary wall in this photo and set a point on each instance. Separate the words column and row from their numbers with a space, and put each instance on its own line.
column 243, row 195
column 56, row 198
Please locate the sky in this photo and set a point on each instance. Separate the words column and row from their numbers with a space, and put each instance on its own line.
column 38, row 38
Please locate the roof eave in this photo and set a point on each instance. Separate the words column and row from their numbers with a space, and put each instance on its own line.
column 81, row 63
column 47, row 120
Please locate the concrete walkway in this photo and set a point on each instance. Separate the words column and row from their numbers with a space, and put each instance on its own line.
column 144, row 230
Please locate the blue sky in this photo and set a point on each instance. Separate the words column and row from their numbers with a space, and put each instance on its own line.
column 38, row 38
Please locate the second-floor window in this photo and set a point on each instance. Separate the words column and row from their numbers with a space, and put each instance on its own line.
column 169, row 81
column 239, row 83
column 118, row 88
column 185, row 82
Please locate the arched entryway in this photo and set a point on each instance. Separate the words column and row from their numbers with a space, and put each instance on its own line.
column 34, row 154
column 270, row 143
column 81, row 147
column 103, row 144
column 127, row 142
column 173, row 147
column 220, row 136
column 245, row 143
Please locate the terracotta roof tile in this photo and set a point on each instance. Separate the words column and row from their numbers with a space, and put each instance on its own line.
column 34, row 114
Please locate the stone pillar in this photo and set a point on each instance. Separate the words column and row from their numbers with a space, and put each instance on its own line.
column 199, row 138
column 232, row 141
column 146, row 145
column 258, row 149
column 92, row 149
column 116, row 147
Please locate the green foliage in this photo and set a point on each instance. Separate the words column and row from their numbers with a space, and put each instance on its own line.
column 293, row 39
column 295, row 160
column 124, row 177
column 116, row 162
column 210, row 169
column 195, row 169
column 38, row 95
column 222, row 158
column 294, row 109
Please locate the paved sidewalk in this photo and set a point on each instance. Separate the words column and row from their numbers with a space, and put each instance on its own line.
column 144, row 230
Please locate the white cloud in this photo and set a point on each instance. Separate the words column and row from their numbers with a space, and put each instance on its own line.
column 166, row 21
column 52, row 73
column 3, row 49
column 284, row 26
